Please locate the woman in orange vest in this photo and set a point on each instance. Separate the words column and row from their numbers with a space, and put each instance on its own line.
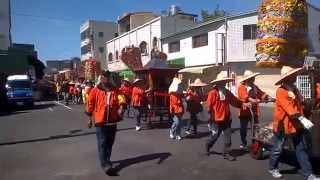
column 138, row 100
column 249, row 92
column 125, row 89
column 218, row 102
column 289, row 122
column 105, row 104
column 71, row 91
column 176, row 108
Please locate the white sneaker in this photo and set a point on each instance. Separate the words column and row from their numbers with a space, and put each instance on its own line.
column 171, row 135
column 275, row 173
column 138, row 128
column 213, row 132
column 243, row 147
column 178, row 138
column 188, row 132
column 313, row 177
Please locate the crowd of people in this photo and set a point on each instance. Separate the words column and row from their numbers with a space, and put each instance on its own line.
column 73, row 92
column 106, row 105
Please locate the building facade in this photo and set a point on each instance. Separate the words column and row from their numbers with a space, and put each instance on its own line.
column 146, row 37
column 230, row 41
column 130, row 21
column 93, row 36
column 5, row 25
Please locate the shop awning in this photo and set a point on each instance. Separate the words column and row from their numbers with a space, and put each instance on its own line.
column 195, row 70
column 176, row 63
column 126, row 73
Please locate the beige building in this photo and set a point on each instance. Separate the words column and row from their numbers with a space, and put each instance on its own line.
column 94, row 35
column 133, row 20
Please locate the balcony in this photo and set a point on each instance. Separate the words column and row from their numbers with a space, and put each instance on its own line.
column 86, row 56
column 84, row 42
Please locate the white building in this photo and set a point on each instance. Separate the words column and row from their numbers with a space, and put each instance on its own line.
column 147, row 36
column 228, row 41
column 5, row 25
column 205, row 43
column 93, row 35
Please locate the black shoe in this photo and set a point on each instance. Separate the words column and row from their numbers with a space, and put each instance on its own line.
column 110, row 171
column 208, row 150
column 229, row 157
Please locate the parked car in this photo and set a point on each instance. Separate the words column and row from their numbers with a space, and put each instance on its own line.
column 19, row 90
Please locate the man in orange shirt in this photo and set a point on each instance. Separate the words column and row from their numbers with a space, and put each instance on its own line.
column 289, row 122
column 126, row 90
column 176, row 108
column 318, row 94
column 249, row 92
column 105, row 104
column 138, row 100
column 218, row 102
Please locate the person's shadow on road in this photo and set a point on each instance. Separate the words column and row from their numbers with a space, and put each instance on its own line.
column 136, row 160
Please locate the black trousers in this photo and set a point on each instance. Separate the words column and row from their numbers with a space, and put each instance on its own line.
column 105, row 138
column 217, row 129
column 244, row 121
column 193, row 122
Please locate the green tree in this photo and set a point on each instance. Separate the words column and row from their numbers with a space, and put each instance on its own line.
column 217, row 13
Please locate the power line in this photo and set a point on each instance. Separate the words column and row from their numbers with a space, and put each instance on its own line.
column 46, row 17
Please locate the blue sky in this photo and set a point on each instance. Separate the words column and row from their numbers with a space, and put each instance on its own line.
column 53, row 25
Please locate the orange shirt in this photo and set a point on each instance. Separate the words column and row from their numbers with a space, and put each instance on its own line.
column 137, row 96
column 126, row 90
column 104, row 105
column 220, row 108
column 71, row 90
column 176, row 103
column 244, row 96
column 287, row 104
column 318, row 92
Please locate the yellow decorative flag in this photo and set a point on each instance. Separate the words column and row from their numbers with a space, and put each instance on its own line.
column 282, row 33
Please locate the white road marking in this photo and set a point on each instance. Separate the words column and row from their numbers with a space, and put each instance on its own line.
column 63, row 105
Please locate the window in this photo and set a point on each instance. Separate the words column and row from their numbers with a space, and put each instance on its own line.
column 174, row 47
column 155, row 42
column 200, row 40
column 100, row 34
column 143, row 48
column 110, row 57
column 249, row 32
column 85, row 49
column 85, row 34
column 117, row 55
column 101, row 49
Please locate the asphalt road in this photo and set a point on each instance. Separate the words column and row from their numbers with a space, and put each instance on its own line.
column 52, row 142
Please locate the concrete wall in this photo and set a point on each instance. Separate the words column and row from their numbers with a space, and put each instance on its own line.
column 176, row 23
column 137, row 20
column 143, row 33
column 109, row 29
column 5, row 40
column 239, row 50
column 196, row 56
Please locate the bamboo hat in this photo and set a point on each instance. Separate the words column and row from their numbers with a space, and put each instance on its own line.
column 222, row 77
column 286, row 72
column 137, row 80
column 248, row 75
column 198, row 83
